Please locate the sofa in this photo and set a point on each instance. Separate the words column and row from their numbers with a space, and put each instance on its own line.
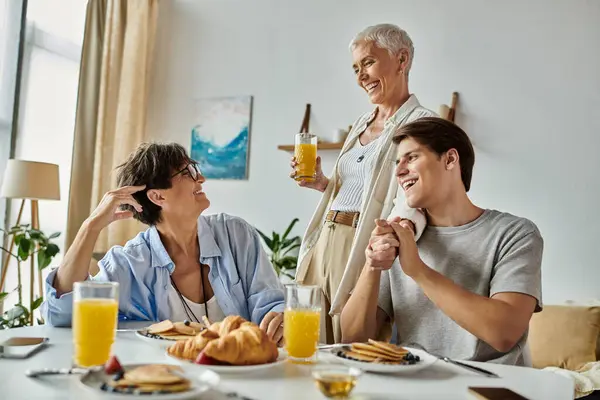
column 565, row 339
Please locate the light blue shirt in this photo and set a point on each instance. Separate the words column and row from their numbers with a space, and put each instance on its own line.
column 241, row 275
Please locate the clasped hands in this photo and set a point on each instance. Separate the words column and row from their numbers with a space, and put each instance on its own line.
column 390, row 240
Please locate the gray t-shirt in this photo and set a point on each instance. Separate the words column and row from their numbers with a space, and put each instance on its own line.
column 497, row 252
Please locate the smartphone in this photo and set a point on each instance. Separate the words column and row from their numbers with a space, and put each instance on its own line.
column 495, row 393
column 21, row 347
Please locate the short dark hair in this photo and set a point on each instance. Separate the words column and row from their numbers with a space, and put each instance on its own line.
column 151, row 164
column 440, row 135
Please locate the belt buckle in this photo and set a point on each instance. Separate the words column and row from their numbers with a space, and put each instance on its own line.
column 355, row 220
column 335, row 214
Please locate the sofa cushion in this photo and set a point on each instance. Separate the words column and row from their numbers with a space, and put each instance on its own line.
column 564, row 336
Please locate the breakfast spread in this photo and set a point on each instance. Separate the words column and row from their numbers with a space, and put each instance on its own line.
column 145, row 379
column 173, row 331
column 233, row 341
column 378, row 352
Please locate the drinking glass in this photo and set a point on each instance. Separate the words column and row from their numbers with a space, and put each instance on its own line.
column 301, row 325
column 305, row 151
column 95, row 310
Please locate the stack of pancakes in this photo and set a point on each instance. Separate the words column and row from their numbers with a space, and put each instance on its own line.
column 376, row 352
column 151, row 378
column 174, row 330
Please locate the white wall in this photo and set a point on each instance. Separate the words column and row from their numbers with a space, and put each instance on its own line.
column 529, row 81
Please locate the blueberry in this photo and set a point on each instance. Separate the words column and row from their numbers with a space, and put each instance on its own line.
column 417, row 358
column 118, row 376
column 409, row 357
column 186, row 322
column 104, row 387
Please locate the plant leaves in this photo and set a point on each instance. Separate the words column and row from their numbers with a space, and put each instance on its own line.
column 36, row 303
column 286, row 263
column 35, row 234
column 289, row 242
column 40, row 321
column 292, row 277
column 54, row 235
column 16, row 312
column 24, row 247
column 18, row 238
column 267, row 241
column 43, row 260
column 276, row 243
column 289, row 228
column 3, row 295
column 52, row 250
column 290, row 249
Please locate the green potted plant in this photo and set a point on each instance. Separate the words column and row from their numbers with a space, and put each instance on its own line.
column 28, row 241
column 283, row 257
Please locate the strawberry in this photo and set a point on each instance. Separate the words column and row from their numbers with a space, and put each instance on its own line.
column 203, row 359
column 113, row 366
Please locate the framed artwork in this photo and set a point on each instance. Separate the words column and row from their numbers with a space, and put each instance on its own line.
column 221, row 136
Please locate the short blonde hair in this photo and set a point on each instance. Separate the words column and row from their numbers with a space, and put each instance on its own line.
column 389, row 37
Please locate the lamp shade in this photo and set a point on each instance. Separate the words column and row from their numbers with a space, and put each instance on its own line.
column 30, row 180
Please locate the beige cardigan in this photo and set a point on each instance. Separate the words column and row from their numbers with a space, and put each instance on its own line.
column 382, row 199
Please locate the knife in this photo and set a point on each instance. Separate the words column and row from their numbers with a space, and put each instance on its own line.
column 470, row 367
column 34, row 373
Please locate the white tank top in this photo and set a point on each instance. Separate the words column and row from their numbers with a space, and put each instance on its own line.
column 355, row 169
column 178, row 314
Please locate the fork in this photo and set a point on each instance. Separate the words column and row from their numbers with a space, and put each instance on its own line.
column 472, row 368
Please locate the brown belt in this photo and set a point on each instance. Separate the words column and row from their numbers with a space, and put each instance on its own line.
column 343, row 217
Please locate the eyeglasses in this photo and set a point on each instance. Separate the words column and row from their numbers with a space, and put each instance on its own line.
column 192, row 170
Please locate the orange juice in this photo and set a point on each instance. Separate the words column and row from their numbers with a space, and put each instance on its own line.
column 301, row 332
column 306, row 157
column 94, row 327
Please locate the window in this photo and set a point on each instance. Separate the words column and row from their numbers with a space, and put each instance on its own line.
column 10, row 27
column 48, row 101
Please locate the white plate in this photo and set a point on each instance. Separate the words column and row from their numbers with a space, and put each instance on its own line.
column 425, row 361
column 231, row 369
column 202, row 380
column 157, row 342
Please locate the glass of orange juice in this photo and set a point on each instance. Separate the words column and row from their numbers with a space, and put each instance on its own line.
column 305, row 151
column 301, row 322
column 95, row 309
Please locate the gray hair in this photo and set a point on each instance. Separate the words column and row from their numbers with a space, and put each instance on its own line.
column 389, row 37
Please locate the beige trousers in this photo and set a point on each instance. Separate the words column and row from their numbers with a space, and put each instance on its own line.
column 325, row 269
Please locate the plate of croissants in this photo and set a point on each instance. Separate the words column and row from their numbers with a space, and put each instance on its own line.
column 229, row 346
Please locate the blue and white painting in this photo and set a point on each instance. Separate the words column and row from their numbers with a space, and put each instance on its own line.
column 221, row 135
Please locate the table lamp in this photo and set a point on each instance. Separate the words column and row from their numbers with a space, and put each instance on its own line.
column 29, row 180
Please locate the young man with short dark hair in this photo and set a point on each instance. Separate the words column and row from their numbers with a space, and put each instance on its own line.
column 468, row 288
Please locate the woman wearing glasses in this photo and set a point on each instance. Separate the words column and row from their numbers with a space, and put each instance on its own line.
column 185, row 265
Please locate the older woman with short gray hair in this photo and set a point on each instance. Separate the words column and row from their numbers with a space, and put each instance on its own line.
column 362, row 186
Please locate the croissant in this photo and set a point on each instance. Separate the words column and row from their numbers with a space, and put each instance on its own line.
column 234, row 341
column 247, row 345
column 228, row 324
column 189, row 349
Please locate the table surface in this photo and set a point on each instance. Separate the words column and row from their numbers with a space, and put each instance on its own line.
column 287, row 381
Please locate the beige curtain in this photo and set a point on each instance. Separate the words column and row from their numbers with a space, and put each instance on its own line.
column 111, row 110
